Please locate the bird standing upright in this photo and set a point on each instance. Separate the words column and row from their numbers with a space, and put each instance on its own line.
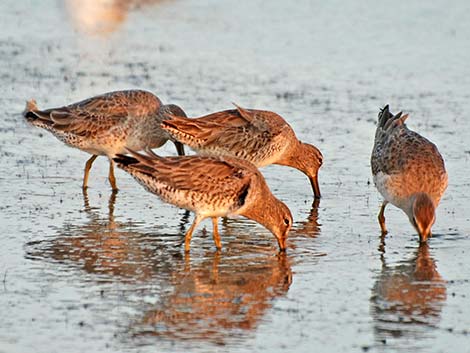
column 408, row 171
column 106, row 124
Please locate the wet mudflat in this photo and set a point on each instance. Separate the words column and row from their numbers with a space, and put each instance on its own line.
column 105, row 271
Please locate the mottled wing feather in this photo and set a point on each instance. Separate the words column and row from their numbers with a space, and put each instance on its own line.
column 406, row 149
column 246, row 140
column 397, row 149
column 119, row 103
column 200, row 129
column 101, row 113
column 203, row 176
column 83, row 123
column 226, row 129
column 198, row 174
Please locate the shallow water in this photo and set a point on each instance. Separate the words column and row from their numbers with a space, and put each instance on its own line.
column 106, row 272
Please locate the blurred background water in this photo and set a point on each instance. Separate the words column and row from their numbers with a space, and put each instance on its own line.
column 106, row 272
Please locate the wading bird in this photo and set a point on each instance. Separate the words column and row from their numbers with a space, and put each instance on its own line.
column 211, row 187
column 258, row 136
column 106, row 125
column 408, row 171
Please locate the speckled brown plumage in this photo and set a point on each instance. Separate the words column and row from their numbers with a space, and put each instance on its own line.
column 108, row 124
column 261, row 137
column 211, row 187
column 408, row 171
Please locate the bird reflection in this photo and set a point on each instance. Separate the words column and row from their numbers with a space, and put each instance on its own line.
column 104, row 246
column 95, row 216
column 309, row 228
column 102, row 17
column 300, row 235
column 407, row 297
column 213, row 296
column 217, row 297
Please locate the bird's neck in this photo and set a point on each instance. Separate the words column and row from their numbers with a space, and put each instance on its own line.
column 292, row 157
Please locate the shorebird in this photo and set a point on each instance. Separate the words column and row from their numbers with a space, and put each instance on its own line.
column 408, row 171
column 211, row 187
column 106, row 124
column 261, row 137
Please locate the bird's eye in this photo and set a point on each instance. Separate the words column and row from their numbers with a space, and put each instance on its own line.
column 286, row 221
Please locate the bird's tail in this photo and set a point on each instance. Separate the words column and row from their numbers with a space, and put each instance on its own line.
column 388, row 121
column 147, row 159
column 30, row 108
column 124, row 161
column 40, row 118
column 138, row 165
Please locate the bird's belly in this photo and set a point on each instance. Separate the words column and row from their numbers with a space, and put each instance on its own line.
column 106, row 146
column 392, row 189
column 139, row 141
column 79, row 142
column 201, row 203
column 398, row 188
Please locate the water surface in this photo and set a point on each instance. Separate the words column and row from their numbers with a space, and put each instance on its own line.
column 106, row 272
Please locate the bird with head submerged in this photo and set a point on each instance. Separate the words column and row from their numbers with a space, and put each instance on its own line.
column 408, row 171
column 107, row 124
column 211, row 187
column 258, row 136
